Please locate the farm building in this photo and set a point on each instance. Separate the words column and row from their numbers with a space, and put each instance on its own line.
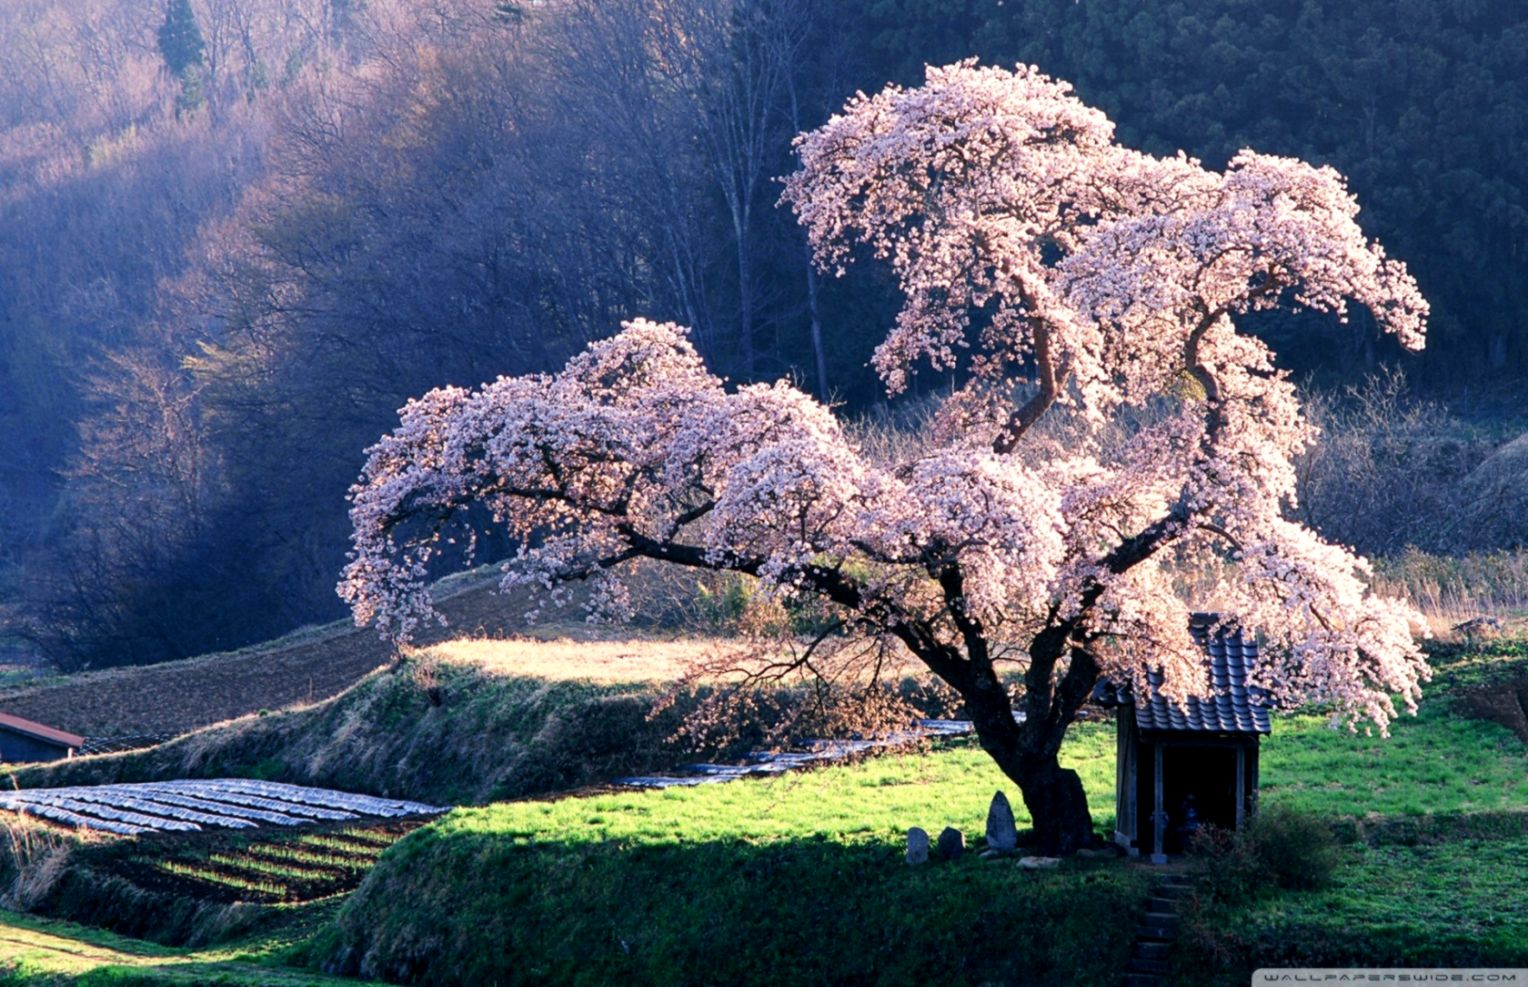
column 1179, row 769
column 23, row 740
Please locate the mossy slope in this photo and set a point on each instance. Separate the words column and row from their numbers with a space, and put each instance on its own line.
column 458, row 734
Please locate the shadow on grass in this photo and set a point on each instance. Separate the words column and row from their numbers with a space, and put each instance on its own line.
column 1431, row 828
column 1428, row 891
column 490, row 908
column 37, row 951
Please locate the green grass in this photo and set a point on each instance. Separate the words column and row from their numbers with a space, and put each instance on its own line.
column 37, row 952
column 1457, row 665
column 1436, row 819
column 651, row 887
column 796, row 879
column 1452, row 904
column 1437, row 762
column 800, row 878
column 876, row 799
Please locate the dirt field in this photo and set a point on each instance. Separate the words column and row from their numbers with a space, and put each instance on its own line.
column 606, row 662
column 314, row 664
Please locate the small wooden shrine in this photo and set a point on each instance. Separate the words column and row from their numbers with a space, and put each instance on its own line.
column 1182, row 768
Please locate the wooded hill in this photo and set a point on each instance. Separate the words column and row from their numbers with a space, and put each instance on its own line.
column 235, row 236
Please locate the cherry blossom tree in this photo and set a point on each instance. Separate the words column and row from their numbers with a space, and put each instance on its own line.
column 1068, row 281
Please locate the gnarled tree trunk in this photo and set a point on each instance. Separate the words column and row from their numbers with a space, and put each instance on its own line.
column 1028, row 753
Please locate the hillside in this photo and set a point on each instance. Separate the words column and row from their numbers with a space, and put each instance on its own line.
column 801, row 879
column 304, row 667
column 653, row 886
column 441, row 730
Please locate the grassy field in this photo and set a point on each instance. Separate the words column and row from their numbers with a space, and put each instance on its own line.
column 651, row 887
column 42, row 953
column 1458, row 903
column 797, row 879
column 775, row 876
column 1435, row 821
column 800, row 877
column 1439, row 763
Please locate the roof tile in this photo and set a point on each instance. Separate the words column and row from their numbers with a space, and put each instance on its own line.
column 1234, row 704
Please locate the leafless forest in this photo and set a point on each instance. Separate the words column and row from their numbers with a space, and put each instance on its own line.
column 236, row 235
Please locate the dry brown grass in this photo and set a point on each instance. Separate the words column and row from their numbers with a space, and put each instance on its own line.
column 35, row 855
column 605, row 662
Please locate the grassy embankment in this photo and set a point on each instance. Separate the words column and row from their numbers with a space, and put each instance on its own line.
column 448, row 726
column 801, row 876
column 798, row 879
column 460, row 722
column 770, row 882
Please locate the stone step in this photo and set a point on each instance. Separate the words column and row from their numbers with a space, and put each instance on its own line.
column 1158, row 930
column 1157, row 967
column 1143, row 980
column 1160, row 904
column 1149, row 951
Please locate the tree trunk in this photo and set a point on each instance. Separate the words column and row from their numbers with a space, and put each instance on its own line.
column 823, row 393
column 1056, row 802
column 1028, row 753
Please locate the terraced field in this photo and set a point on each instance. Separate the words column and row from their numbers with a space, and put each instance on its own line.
column 268, row 869
column 190, row 805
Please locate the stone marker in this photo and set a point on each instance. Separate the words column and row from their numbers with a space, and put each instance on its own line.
column 1002, row 834
column 952, row 843
column 917, row 846
column 1038, row 863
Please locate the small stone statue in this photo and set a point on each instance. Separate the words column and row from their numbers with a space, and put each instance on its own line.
column 952, row 843
column 917, row 846
column 1002, row 833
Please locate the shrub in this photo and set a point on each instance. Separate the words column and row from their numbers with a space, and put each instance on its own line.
column 1278, row 848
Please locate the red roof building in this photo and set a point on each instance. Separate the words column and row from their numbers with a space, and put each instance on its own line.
column 24, row 740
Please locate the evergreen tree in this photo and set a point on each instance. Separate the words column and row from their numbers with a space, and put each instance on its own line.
column 180, row 38
column 181, row 45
